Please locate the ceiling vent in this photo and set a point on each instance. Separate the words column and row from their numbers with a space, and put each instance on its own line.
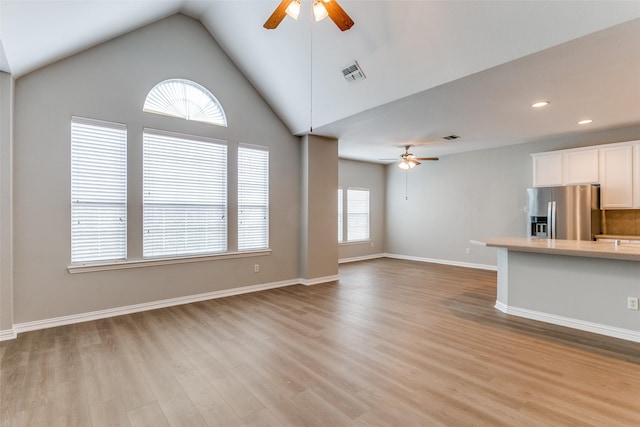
column 353, row 73
column 451, row 137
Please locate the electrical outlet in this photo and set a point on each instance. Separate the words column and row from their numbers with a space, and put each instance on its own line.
column 371, row 244
column 632, row 303
column 468, row 251
column 256, row 268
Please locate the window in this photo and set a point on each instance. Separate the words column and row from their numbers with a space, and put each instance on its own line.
column 185, row 99
column 184, row 195
column 340, row 213
column 357, row 215
column 98, row 190
column 253, row 197
column 184, row 206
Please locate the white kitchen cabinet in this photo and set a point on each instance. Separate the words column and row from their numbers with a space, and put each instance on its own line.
column 616, row 177
column 616, row 167
column 548, row 169
column 581, row 166
column 636, row 175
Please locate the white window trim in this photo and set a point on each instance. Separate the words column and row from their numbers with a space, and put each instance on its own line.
column 122, row 265
column 355, row 242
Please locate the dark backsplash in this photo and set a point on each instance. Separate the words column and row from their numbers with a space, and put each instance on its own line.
column 624, row 222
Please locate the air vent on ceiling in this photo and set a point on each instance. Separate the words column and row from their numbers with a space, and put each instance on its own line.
column 451, row 137
column 353, row 73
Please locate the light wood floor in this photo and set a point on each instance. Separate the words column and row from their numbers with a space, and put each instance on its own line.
column 393, row 343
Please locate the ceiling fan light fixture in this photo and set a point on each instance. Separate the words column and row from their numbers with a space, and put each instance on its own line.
column 293, row 10
column 407, row 164
column 319, row 11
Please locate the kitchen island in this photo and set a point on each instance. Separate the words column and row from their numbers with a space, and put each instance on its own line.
column 573, row 283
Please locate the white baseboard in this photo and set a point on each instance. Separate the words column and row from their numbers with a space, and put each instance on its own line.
column 443, row 261
column 136, row 308
column 8, row 334
column 597, row 328
column 319, row 280
column 360, row 258
column 501, row 306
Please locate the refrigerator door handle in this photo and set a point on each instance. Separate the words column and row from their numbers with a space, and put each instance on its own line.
column 553, row 220
column 549, row 220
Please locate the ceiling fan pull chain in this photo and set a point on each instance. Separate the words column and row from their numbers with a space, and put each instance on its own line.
column 406, row 184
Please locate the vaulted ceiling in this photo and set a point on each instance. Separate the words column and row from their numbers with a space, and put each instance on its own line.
column 433, row 68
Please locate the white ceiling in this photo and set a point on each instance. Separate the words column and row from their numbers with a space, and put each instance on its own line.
column 433, row 68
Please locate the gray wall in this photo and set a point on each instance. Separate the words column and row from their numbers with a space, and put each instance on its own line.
column 371, row 176
column 6, row 165
column 469, row 196
column 110, row 82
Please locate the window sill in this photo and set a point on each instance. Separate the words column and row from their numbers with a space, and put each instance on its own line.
column 356, row 242
column 121, row 265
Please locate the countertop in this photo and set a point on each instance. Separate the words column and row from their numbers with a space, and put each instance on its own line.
column 584, row 248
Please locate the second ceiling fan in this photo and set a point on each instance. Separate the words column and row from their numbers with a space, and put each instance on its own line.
column 321, row 9
column 409, row 161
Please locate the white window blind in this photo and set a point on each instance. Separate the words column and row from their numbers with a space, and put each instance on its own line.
column 253, row 197
column 184, row 195
column 185, row 99
column 357, row 215
column 340, row 214
column 98, row 190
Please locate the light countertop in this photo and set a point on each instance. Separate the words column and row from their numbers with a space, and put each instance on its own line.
column 584, row 248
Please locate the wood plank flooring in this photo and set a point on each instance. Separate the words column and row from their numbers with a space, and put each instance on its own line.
column 393, row 343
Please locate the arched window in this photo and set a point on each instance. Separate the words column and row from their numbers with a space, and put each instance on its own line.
column 185, row 99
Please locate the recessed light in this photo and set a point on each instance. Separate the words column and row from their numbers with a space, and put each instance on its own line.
column 540, row 104
column 585, row 122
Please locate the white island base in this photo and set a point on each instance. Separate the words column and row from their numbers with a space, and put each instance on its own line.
column 581, row 285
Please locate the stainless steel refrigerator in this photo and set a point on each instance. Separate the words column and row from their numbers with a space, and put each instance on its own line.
column 570, row 212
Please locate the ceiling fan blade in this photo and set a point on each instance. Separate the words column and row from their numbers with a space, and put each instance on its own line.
column 426, row 158
column 278, row 15
column 338, row 15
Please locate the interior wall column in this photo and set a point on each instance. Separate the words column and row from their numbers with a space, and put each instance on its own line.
column 319, row 222
column 6, row 206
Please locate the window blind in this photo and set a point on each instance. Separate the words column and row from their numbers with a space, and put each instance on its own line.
column 185, row 99
column 98, row 190
column 357, row 215
column 253, row 197
column 340, row 214
column 184, row 195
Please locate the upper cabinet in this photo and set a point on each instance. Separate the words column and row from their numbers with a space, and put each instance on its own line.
column 547, row 169
column 616, row 177
column 565, row 167
column 616, row 167
column 581, row 167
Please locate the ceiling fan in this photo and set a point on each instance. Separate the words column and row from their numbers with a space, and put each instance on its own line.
column 409, row 161
column 321, row 9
